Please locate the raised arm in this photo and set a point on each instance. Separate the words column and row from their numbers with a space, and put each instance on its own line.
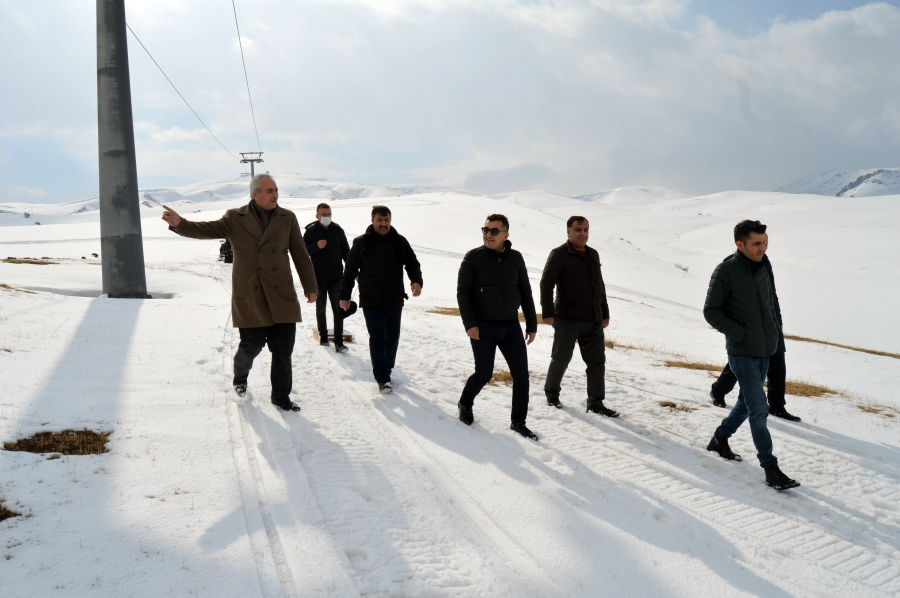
column 212, row 229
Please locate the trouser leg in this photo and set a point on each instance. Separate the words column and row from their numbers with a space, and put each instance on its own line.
column 593, row 352
column 752, row 404
column 725, row 383
column 334, row 296
column 376, row 325
column 392, row 319
column 483, row 350
column 252, row 342
column 281, row 345
column 777, row 380
column 564, row 335
column 321, row 301
column 512, row 347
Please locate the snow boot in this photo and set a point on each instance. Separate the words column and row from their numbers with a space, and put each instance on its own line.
column 521, row 428
column 553, row 400
column 385, row 388
column 717, row 400
column 720, row 445
column 595, row 405
column 323, row 340
column 286, row 405
column 783, row 414
column 241, row 390
column 776, row 479
column 465, row 414
column 342, row 348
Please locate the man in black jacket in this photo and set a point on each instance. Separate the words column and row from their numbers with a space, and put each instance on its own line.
column 327, row 246
column 580, row 313
column 492, row 284
column 777, row 375
column 378, row 258
column 739, row 305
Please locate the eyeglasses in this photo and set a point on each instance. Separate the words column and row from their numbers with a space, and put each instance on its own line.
column 494, row 232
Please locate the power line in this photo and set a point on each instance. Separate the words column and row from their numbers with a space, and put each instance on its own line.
column 176, row 89
column 241, row 45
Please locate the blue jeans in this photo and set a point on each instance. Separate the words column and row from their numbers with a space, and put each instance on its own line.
column 506, row 336
column 384, row 337
column 752, row 403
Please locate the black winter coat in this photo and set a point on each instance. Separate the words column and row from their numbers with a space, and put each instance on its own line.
column 328, row 261
column 580, row 292
column 379, row 262
column 739, row 304
column 492, row 286
column 768, row 265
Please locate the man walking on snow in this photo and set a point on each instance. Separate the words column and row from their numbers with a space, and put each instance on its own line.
column 264, row 304
column 378, row 258
column 739, row 304
column 579, row 314
column 327, row 246
column 492, row 285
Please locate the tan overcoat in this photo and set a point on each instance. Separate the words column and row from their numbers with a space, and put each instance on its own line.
column 262, row 288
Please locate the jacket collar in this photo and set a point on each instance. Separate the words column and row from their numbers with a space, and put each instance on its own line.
column 248, row 221
column 572, row 249
column 754, row 267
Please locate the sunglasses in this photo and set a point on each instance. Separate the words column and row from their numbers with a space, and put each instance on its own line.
column 494, row 232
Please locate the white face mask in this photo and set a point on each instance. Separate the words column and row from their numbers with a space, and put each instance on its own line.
column 325, row 220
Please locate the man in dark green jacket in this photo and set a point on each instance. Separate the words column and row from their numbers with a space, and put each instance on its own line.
column 579, row 314
column 492, row 285
column 739, row 305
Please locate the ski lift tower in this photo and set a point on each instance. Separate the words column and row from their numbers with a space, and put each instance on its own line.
column 254, row 158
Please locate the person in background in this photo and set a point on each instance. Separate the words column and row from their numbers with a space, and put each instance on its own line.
column 327, row 245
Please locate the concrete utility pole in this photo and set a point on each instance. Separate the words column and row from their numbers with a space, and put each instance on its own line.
column 255, row 158
column 121, row 243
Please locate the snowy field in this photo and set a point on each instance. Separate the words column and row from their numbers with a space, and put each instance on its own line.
column 359, row 494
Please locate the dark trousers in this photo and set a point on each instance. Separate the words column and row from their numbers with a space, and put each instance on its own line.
column 329, row 291
column 384, row 338
column 590, row 341
column 506, row 336
column 777, row 381
column 280, row 338
column 751, row 403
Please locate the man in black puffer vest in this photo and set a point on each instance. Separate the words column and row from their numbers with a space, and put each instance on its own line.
column 378, row 258
column 327, row 246
column 492, row 285
column 739, row 305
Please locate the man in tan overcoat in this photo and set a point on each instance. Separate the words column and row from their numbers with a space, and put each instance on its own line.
column 264, row 304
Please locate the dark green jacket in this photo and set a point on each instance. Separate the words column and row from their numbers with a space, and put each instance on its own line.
column 739, row 305
column 491, row 286
column 580, row 292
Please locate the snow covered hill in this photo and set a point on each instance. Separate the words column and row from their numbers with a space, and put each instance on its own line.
column 361, row 494
column 848, row 183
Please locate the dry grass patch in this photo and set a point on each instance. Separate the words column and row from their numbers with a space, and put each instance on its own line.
column 502, row 377
column 694, row 365
column 804, row 389
column 3, row 285
column 454, row 311
column 67, row 442
column 6, row 513
column 28, row 260
column 673, row 407
column 877, row 410
column 848, row 347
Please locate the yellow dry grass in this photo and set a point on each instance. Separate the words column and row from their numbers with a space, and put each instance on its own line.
column 848, row 347
column 67, row 442
column 28, row 260
column 673, row 407
column 805, row 389
column 454, row 311
column 694, row 365
column 3, row 285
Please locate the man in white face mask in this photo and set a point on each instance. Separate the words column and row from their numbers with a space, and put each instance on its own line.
column 327, row 245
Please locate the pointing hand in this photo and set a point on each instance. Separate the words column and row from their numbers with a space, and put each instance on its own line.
column 171, row 217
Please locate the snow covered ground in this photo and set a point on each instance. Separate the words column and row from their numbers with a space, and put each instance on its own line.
column 361, row 494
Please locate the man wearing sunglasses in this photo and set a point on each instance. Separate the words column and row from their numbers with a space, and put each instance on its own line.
column 492, row 285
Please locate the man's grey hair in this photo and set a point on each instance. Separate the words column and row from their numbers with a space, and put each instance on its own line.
column 256, row 182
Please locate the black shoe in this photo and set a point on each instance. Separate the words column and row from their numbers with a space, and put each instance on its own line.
column 717, row 400
column 465, row 414
column 323, row 340
column 776, row 479
column 596, row 406
column 783, row 414
column 554, row 402
column 342, row 348
column 241, row 390
column 385, row 388
column 522, row 429
column 286, row 405
column 720, row 445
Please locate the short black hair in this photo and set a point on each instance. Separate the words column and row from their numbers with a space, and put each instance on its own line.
column 380, row 211
column 322, row 206
column 743, row 229
column 573, row 219
column 499, row 218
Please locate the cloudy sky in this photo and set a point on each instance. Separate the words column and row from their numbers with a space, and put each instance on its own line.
column 573, row 96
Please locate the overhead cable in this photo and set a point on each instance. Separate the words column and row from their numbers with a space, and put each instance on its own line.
column 241, row 46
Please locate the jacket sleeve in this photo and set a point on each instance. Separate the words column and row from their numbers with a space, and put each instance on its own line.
column 345, row 247
column 351, row 269
column 301, row 260
column 774, row 294
column 604, row 306
column 527, row 298
column 311, row 244
column 714, row 307
column 465, row 288
column 211, row 229
column 549, row 277
column 413, row 268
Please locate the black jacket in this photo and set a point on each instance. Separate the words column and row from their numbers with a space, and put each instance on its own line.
column 740, row 305
column 580, row 292
column 768, row 265
column 492, row 286
column 379, row 261
column 328, row 261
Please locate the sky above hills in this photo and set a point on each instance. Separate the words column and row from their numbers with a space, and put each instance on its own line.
column 569, row 96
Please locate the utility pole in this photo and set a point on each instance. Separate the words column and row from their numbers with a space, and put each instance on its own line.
column 252, row 160
column 121, row 242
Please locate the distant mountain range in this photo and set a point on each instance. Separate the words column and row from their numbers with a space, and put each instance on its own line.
column 848, row 183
